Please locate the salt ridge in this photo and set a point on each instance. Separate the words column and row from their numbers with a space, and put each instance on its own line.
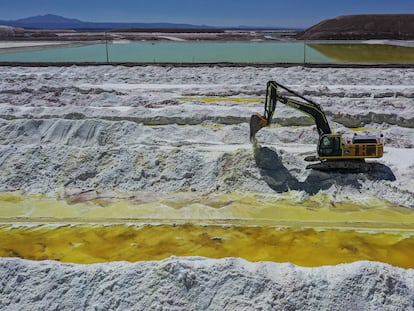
column 196, row 283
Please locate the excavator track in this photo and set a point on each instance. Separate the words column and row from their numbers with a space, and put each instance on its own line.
column 356, row 166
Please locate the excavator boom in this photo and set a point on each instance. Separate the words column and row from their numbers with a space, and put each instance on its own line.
column 273, row 96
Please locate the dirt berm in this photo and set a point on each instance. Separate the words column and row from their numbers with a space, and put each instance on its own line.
column 362, row 27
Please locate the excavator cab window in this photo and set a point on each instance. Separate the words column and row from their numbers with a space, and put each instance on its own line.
column 330, row 146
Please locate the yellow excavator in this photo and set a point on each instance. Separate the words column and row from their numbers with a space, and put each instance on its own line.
column 334, row 152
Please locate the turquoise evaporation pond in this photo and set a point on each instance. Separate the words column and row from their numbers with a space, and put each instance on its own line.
column 176, row 52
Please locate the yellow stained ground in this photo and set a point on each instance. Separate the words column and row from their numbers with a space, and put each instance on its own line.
column 218, row 99
column 308, row 231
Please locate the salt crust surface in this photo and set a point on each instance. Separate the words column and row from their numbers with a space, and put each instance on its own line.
column 87, row 128
column 196, row 283
column 59, row 132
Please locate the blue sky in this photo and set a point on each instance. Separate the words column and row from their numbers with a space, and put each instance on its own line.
column 289, row 13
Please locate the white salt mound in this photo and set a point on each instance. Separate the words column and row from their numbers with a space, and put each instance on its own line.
column 196, row 283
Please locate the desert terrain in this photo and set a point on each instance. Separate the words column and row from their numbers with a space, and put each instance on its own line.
column 153, row 146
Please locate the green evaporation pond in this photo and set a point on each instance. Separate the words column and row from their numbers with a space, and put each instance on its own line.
column 175, row 52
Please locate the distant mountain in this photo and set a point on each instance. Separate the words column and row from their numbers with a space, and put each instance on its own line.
column 50, row 21
column 363, row 27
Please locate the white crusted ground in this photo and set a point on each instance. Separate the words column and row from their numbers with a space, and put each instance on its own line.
column 195, row 283
column 146, row 128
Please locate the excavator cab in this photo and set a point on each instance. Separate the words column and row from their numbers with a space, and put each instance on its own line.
column 330, row 145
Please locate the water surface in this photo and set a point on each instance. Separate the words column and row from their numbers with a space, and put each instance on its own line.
column 175, row 52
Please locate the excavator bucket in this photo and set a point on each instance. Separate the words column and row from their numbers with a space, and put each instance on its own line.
column 257, row 121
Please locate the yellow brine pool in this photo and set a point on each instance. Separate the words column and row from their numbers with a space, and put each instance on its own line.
column 310, row 231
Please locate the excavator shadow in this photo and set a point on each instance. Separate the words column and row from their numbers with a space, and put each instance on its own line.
column 278, row 177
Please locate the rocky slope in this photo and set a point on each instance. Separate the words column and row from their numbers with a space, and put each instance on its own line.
column 362, row 27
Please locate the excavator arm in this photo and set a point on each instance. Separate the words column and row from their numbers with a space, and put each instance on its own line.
column 257, row 121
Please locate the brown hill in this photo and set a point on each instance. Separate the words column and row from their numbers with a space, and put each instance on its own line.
column 362, row 27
